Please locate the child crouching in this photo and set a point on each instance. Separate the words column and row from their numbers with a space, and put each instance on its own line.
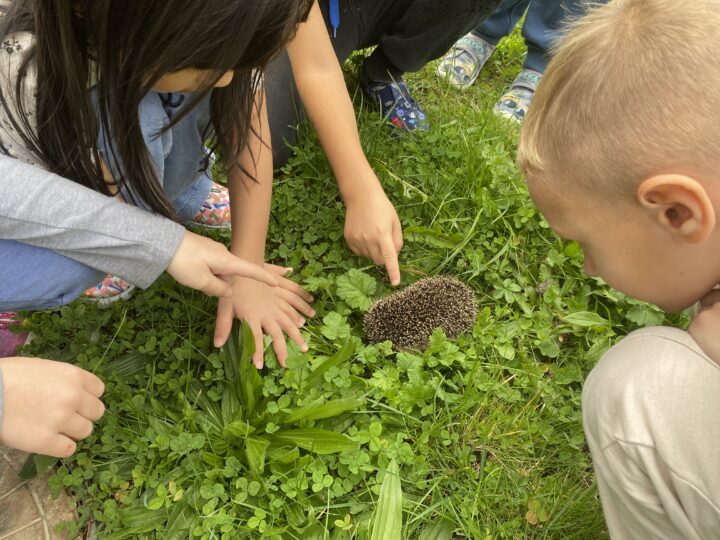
column 633, row 174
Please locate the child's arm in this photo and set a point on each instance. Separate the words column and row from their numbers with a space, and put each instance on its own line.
column 45, row 210
column 372, row 227
column 273, row 311
column 705, row 327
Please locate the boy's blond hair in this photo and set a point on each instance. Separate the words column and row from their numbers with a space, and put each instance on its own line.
column 633, row 90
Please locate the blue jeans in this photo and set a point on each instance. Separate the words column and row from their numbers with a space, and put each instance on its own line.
column 543, row 25
column 39, row 278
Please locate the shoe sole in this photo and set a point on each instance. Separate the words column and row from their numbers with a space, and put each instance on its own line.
column 196, row 225
column 106, row 301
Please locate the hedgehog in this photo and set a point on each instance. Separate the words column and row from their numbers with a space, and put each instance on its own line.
column 407, row 318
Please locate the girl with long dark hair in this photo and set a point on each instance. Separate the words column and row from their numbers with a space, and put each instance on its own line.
column 105, row 108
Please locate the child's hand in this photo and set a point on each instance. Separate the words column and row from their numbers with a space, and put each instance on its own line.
column 200, row 262
column 372, row 229
column 705, row 327
column 48, row 405
column 275, row 311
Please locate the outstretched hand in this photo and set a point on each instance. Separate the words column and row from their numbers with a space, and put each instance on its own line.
column 200, row 263
column 275, row 311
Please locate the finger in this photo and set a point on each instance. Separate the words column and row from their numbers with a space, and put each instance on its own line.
column 258, row 355
column 93, row 384
column 713, row 297
column 293, row 315
column 60, row 446
column 390, row 260
column 279, row 270
column 294, row 333
column 216, row 287
column 354, row 248
column 223, row 324
column 294, row 288
column 278, row 340
column 91, row 408
column 77, row 427
column 235, row 266
column 397, row 236
column 296, row 302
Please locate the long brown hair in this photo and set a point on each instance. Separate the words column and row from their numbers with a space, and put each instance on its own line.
column 126, row 46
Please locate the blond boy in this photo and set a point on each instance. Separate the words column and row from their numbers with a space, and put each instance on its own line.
column 621, row 151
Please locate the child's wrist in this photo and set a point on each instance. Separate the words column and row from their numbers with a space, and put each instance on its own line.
column 358, row 186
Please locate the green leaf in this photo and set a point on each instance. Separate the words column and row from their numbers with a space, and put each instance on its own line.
column 127, row 366
column 432, row 237
column 356, row 288
column 36, row 464
column 249, row 383
column 319, row 441
column 343, row 355
column 255, row 450
column 387, row 522
column 645, row 315
column 440, row 529
column 586, row 319
column 335, row 326
column 319, row 410
column 238, row 429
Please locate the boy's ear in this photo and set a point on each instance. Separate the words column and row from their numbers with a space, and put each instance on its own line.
column 680, row 204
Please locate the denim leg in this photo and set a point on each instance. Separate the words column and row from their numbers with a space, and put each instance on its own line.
column 502, row 21
column 543, row 25
column 38, row 278
column 191, row 200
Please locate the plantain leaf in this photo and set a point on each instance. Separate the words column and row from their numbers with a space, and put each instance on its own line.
column 127, row 366
column 255, row 450
column 442, row 529
column 238, row 430
column 319, row 441
column 585, row 319
column 249, row 382
column 387, row 522
column 320, row 409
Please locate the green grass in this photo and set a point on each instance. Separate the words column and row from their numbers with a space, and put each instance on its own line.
column 485, row 431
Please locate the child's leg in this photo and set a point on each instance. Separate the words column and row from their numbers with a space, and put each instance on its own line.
column 650, row 410
column 543, row 25
column 502, row 21
column 409, row 34
column 462, row 64
column 38, row 278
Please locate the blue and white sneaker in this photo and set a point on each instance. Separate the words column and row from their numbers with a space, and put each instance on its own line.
column 462, row 64
column 515, row 102
column 396, row 104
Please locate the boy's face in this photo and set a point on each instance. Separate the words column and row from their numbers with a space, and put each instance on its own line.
column 629, row 249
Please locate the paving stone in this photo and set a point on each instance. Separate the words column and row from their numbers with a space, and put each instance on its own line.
column 27, row 510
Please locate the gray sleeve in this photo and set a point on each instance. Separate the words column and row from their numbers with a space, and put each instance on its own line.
column 45, row 210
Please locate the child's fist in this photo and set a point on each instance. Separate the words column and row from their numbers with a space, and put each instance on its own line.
column 47, row 405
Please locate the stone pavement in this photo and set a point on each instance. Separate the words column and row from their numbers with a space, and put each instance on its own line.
column 27, row 511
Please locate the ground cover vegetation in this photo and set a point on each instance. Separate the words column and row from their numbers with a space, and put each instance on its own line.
column 479, row 437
